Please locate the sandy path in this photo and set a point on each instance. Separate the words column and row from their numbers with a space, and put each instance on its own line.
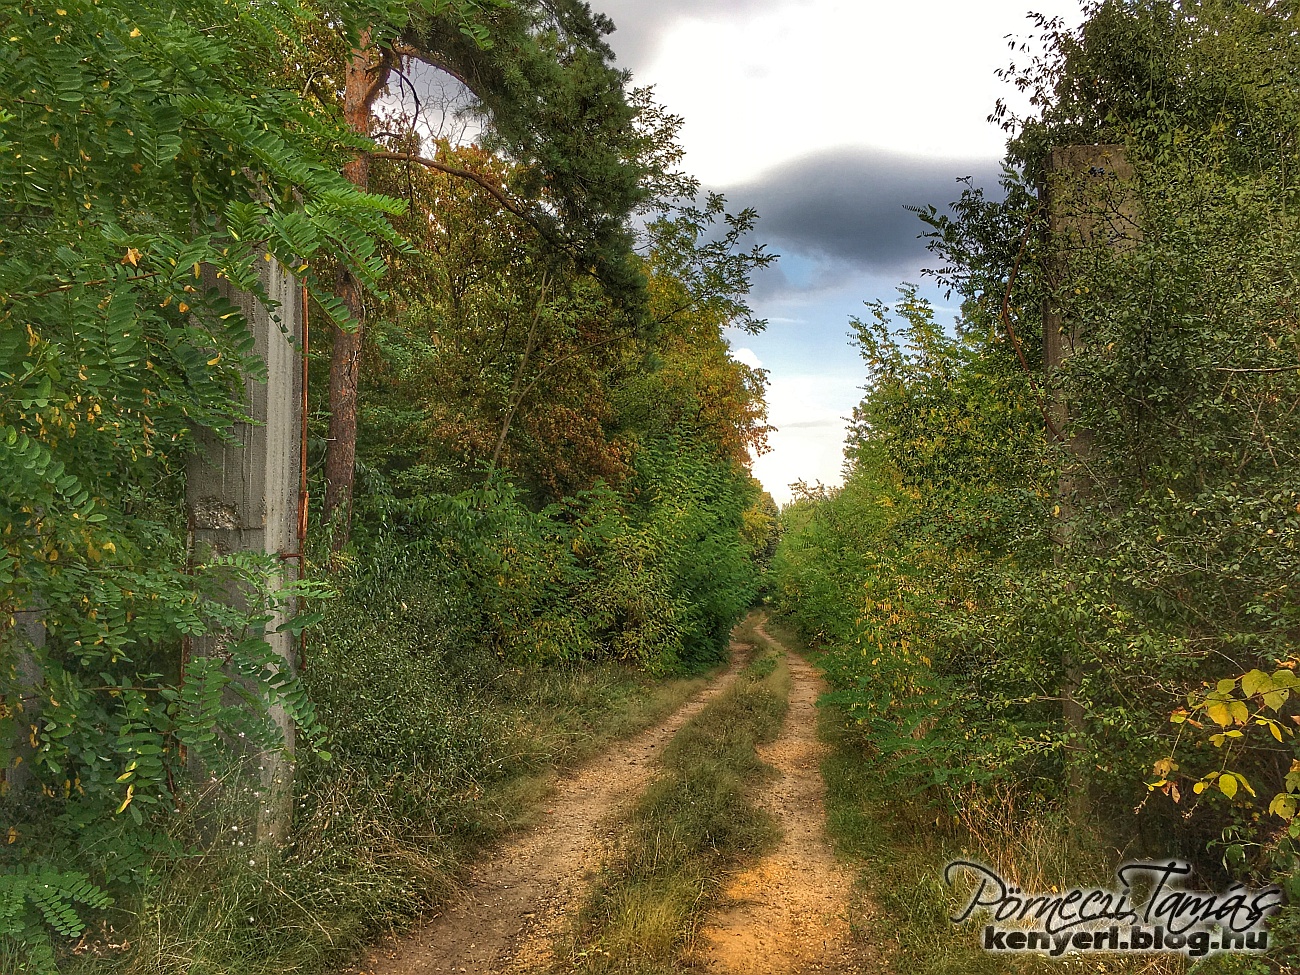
column 789, row 913
column 514, row 905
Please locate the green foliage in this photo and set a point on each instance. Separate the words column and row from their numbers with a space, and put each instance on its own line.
column 907, row 575
column 1142, row 563
column 144, row 144
column 616, row 518
column 490, row 346
column 554, row 104
column 36, row 898
column 1187, row 384
column 657, row 576
column 692, row 507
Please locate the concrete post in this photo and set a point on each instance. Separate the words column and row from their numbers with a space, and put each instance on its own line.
column 1090, row 203
column 243, row 496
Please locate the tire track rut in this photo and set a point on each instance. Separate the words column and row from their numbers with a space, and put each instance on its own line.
column 789, row 913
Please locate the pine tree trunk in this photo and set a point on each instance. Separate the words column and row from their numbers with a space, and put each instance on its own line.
column 365, row 77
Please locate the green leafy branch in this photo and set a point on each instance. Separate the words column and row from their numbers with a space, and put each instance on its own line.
column 1228, row 711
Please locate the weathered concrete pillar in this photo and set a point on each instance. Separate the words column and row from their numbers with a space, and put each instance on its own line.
column 1089, row 198
column 1090, row 205
column 243, row 496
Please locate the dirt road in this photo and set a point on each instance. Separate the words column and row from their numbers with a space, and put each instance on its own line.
column 787, row 914
column 515, row 904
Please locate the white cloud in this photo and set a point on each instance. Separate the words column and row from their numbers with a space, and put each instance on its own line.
column 773, row 82
column 747, row 357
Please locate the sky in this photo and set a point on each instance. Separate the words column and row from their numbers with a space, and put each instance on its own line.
column 828, row 117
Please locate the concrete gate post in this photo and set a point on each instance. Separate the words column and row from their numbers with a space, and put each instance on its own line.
column 1089, row 198
column 28, row 634
column 244, row 495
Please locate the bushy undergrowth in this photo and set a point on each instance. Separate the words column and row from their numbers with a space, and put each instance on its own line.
column 899, row 848
column 655, row 574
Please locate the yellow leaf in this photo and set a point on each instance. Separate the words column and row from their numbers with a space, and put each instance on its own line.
column 1218, row 713
column 215, row 359
column 1273, row 700
column 1227, row 685
column 130, row 794
column 132, row 257
column 13, row 835
column 1256, row 682
column 1200, row 787
column 182, row 308
column 1283, row 805
column 1227, row 785
column 135, row 32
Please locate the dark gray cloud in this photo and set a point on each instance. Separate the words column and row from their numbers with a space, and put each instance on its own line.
column 642, row 23
column 845, row 208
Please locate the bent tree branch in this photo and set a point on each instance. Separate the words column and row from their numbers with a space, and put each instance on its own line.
column 497, row 193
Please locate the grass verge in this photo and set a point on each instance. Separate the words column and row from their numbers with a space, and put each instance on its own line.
column 695, row 822
column 899, row 846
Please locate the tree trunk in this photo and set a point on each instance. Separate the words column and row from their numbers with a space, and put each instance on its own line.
column 367, row 73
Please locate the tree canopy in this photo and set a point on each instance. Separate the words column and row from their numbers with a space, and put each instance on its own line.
column 555, row 437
